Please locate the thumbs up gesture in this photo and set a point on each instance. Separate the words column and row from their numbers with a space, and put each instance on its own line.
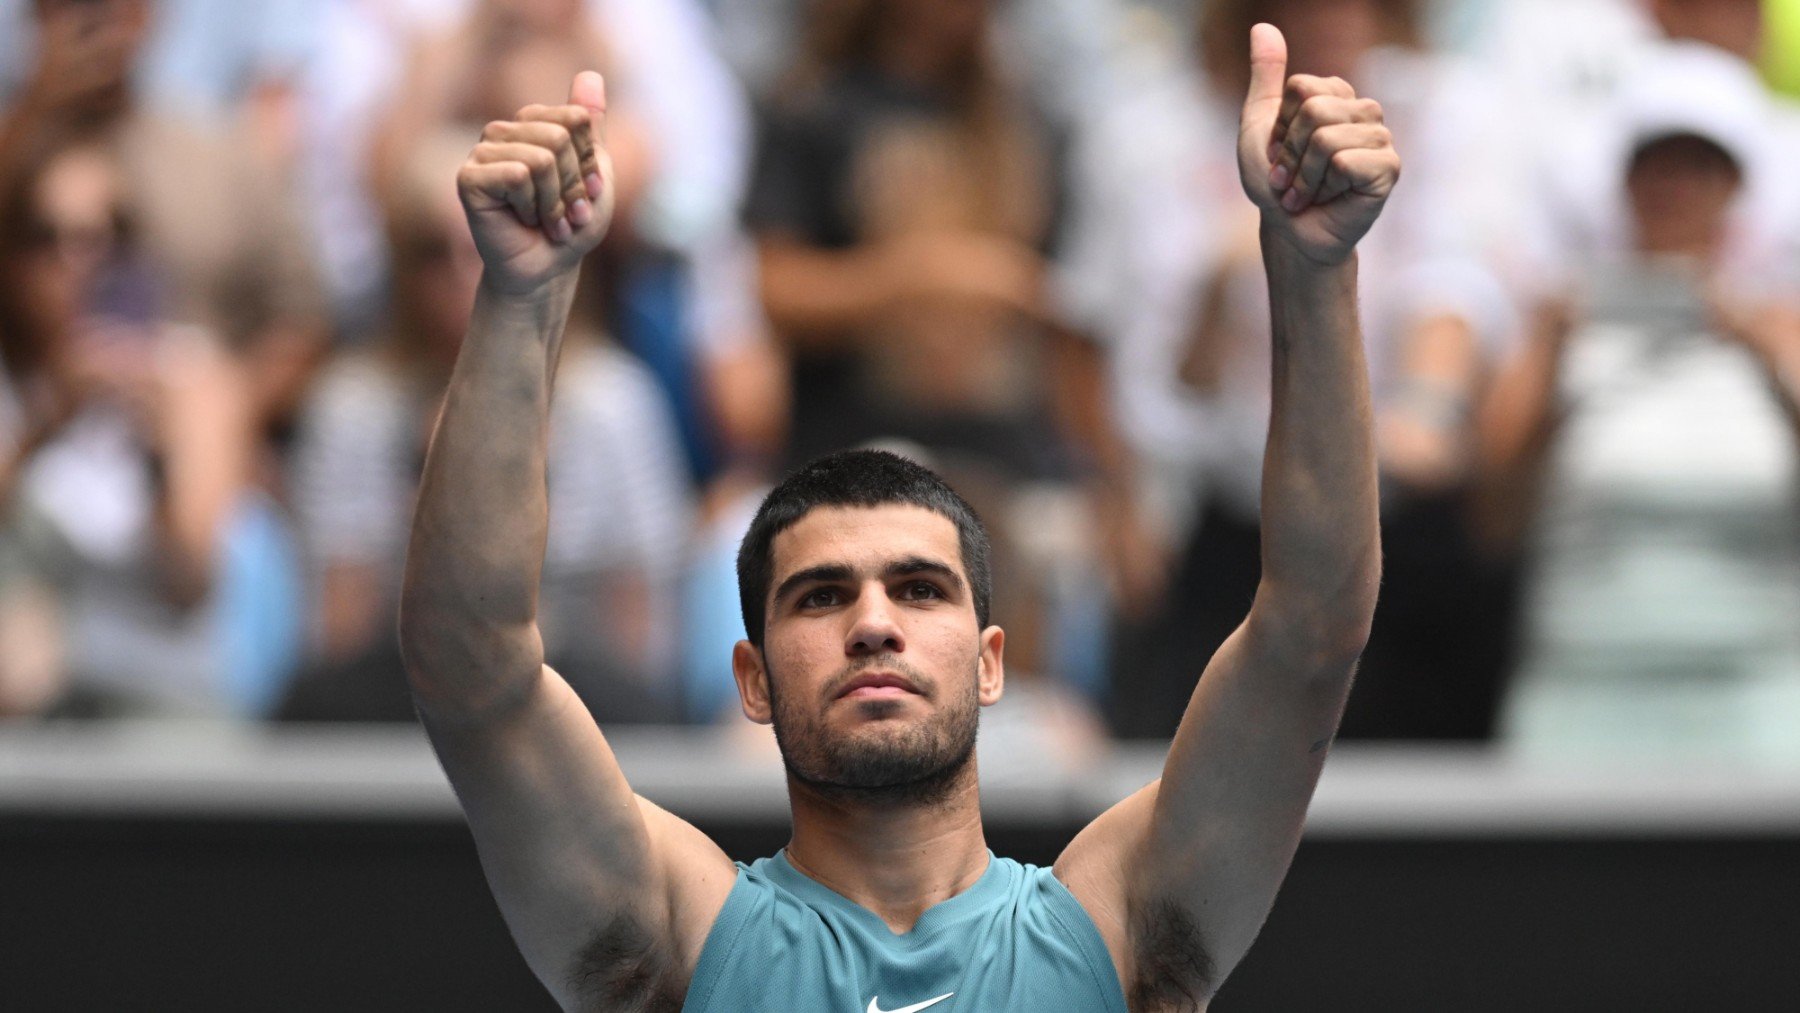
column 1313, row 156
column 538, row 189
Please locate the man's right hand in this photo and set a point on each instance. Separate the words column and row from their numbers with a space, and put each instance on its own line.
column 538, row 190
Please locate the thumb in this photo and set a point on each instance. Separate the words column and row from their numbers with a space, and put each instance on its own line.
column 589, row 89
column 1268, row 69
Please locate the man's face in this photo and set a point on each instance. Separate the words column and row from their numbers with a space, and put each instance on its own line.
column 872, row 668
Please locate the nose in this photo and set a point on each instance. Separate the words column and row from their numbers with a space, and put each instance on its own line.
column 875, row 625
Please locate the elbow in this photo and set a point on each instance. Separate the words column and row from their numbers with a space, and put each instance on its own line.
column 458, row 664
column 1322, row 633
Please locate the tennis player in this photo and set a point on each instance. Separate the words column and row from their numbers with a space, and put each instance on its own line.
column 865, row 591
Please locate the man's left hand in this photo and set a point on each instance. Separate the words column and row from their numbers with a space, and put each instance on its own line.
column 1315, row 158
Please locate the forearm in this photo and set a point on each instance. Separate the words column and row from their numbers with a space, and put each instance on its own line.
column 208, row 447
column 1084, row 409
column 1518, row 417
column 1321, row 552
column 469, row 601
column 813, row 296
column 1777, row 348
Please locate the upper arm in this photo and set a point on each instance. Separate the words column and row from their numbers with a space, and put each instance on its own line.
column 583, row 870
column 1180, row 876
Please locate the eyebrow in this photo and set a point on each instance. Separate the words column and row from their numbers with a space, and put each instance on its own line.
column 839, row 573
column 919, row 564
column 829, row 573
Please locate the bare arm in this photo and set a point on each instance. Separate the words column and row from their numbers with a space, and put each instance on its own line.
column 1180, row 876
column 1515, row 427
column 817, row 296
column 1770, row 332
column 208, row 438
column 608, row 897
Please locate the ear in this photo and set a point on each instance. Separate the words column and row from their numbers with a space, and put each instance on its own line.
column 752, row 681
column 991, row 676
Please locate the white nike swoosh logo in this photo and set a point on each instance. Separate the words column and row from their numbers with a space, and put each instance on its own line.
column 914, row 1008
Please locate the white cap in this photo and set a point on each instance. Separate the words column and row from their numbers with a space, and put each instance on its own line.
column 1690, row 88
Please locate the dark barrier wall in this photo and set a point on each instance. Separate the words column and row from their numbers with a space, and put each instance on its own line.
column 191, row 915
column 226, row 886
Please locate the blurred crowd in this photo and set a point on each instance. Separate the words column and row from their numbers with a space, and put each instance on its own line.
column 1006, row 238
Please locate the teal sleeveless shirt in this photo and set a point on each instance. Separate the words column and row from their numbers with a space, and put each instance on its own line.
column 1016, row 940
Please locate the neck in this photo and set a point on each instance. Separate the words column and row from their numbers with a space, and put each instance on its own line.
column 896, row 860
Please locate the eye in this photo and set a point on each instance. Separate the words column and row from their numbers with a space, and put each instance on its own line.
column 823, row 597
column 921, row 590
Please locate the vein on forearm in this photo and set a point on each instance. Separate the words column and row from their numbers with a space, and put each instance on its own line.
column 479, row 529
column 1320, row 541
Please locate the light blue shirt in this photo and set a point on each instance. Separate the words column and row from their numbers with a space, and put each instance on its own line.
column 1016, row 940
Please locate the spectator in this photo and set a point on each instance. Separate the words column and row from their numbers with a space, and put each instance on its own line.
column 146, row 566
column 1648, row 432
column 619, row 500
column 500, row 56
column 904, row 202
column 213, row 219
column 1564, row 61
column 1168, row 266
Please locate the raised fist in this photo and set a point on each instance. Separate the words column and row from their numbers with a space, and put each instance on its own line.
column 538, row 189
column 1316, row 159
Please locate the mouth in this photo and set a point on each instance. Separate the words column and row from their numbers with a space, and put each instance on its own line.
column 878, row 686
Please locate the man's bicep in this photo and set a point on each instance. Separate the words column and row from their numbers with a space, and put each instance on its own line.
column 569, row 852
column 1237, row 783
column 1180, row 875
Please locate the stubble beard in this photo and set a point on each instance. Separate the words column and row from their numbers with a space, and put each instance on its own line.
column 916, row 764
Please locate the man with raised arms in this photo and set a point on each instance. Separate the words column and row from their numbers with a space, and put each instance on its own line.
column 865, row 588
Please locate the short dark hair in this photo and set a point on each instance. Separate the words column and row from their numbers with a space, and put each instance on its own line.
column 1688, row 148
column 855, row 478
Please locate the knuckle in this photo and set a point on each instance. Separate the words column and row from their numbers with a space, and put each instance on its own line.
column 534, row 111
column 1340, row 136
column 495, row 129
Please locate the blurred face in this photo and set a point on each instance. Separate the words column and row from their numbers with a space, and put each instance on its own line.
column 1732, row 25
column 537, row 16
column 1681, row 190
column 94, row 45
column 437, row 272
column 954, row 29
column 1327, row 38
column 872, row 668
column 74, row 233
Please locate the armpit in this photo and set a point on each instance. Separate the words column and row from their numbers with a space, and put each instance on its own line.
column 1173, row 971
column 625, row 968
